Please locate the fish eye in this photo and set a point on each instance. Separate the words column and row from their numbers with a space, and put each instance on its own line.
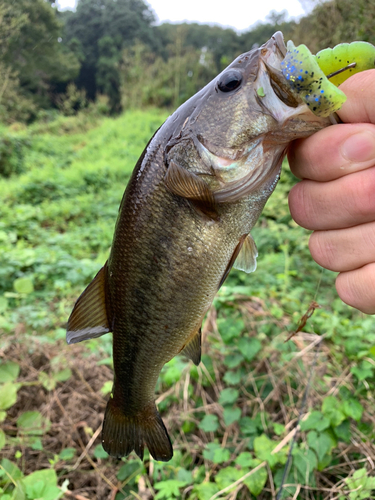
column 230, row 80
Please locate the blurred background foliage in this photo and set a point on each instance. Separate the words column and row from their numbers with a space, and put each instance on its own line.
column 81, row 93
column 64, row 60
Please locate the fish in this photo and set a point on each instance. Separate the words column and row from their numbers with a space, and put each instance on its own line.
column 184, row 221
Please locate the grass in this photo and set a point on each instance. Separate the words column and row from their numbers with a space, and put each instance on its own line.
column 233, row 418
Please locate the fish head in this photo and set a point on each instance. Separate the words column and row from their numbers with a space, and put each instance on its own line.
column 243, row 121
column 252, row 97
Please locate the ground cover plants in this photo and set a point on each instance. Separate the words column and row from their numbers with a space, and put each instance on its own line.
column 233, row 418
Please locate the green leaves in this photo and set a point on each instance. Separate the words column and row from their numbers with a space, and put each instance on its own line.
column 23, row 285
column 8, row 395
column 225, row 477
column 316, row 420
column 263, row 448
column 42, row 484
column 360, row 485
column 33, row 423
column 353, row 409
column 209, row 423
column 332, row 409
column 249, row 347
column 228, row 396
column 9, row 372
column 305, row 462
column 169, row 488
column 2, row 439
column 231, row 415
column 59, row 237
column 50, row 380
column 205, row 490
column 322, row 444
column 221, row 455
column 363, row 371
column 256, row 481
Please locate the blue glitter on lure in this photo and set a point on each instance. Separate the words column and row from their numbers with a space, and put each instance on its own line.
column 306, row 78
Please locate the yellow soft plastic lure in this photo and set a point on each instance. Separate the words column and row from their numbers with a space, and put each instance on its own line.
column 307, row 74
column 332, row 60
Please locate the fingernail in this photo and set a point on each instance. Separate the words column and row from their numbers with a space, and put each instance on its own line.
column 359, row 147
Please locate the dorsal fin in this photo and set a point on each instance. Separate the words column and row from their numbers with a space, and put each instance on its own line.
column 192, row 349
column 89, row 318
column 247, row 258
column 190, row 186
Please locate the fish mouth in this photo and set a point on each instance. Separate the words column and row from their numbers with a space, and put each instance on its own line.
column 275, row 95
column 275, row 46
column 279, row 97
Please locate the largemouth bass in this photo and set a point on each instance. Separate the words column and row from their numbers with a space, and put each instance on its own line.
column 184, row 221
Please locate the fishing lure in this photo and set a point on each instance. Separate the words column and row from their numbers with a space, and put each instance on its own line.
column 315, row 78
column 362, row 54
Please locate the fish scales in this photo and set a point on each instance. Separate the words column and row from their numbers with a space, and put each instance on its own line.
column 182, row 263
column 184, row 221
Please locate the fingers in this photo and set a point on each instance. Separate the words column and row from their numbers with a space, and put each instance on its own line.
column 351, row 251
column 360, row 105
column 345, row 148
column 337, row 204
column 333, row 152
column 344, row 249
column 356, row 288
column 336, row 197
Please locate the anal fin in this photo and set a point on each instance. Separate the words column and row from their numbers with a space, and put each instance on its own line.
column 89, row 318
column 188, row 185
column 247, row 257
column 123, row 433
column 193, row 349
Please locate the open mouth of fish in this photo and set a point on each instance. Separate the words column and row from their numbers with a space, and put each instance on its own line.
column 240, row 171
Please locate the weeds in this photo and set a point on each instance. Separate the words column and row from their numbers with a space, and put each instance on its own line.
column 233, row 418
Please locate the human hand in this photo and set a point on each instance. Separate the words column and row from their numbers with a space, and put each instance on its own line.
column 336, row 197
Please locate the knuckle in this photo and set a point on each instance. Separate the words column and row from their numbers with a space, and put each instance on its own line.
column 367, row 236
column 363, row 199
column 323, row 250
column 301, row 205
column 356, row 288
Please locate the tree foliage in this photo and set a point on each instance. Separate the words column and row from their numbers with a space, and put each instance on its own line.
column 112, row 48
column 337, row 21
column 99, row 31
column 32, row 60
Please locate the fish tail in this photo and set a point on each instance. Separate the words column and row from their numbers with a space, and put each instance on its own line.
column 124, row 433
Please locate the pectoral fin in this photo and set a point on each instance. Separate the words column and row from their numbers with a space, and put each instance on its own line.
column 89, row 318
column 247, row 258
column 190, row 186
column 192, row 349
column 232, row 260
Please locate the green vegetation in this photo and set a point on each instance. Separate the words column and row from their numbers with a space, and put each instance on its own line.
column 64, row 165
column 232, row 418
column 112, row 50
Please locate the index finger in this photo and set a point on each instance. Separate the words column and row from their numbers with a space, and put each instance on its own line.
column 345, row 148
column 360, row 105
column 333, row 152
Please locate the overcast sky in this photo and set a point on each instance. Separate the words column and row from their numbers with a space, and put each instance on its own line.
column 239, row 14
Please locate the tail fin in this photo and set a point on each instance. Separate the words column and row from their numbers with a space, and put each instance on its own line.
column 122, row 433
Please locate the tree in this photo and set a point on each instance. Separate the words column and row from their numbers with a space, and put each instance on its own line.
column 337, row 21
column 261, row 32
column 98, row 31
column 31, row 48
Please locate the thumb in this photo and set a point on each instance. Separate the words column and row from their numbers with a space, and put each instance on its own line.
column 360, row 105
